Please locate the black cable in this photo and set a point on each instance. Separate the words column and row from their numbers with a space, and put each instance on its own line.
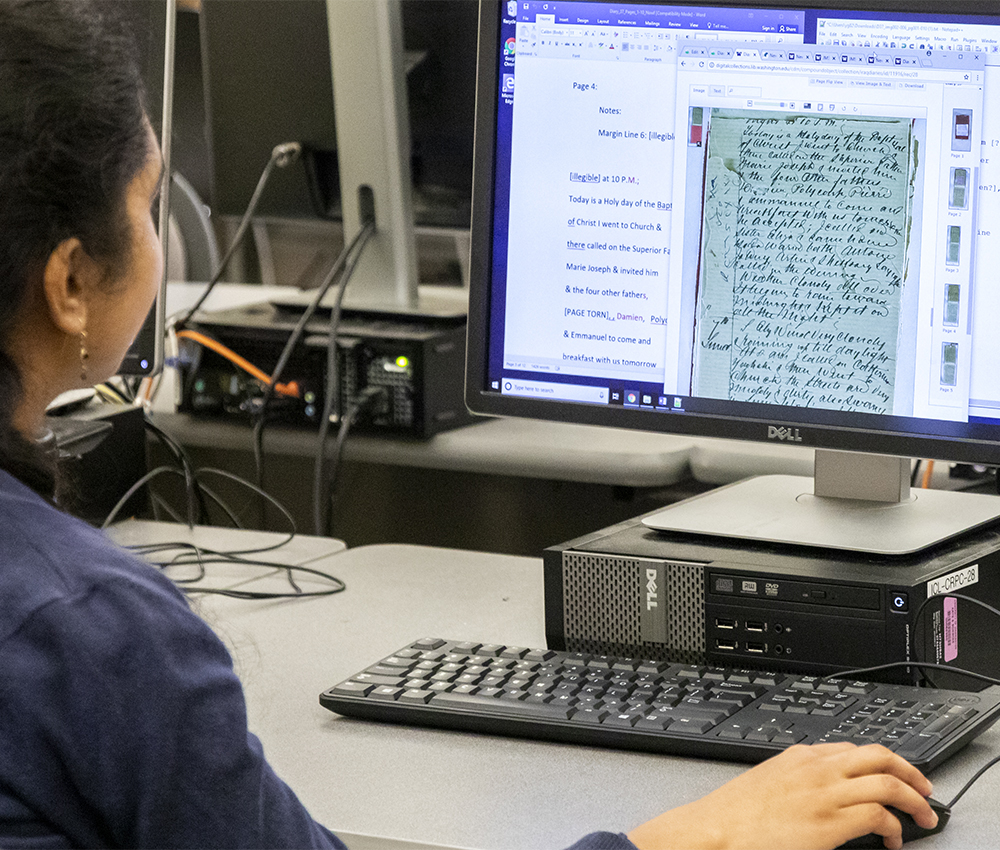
column 194, row 494
column 972, row 781
column 331, row 391
column 281, row 156
column 895, row 665
column 130, row 385
column 192, row 554
column 349, row 254
column 260, row 492
column 159, row 504
column 223, row 506
column 149, row 476
column 323, row 485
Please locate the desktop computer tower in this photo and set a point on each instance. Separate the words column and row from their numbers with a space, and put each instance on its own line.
column 630, row 590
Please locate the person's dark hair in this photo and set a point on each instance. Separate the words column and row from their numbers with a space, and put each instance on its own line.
column 72, row 137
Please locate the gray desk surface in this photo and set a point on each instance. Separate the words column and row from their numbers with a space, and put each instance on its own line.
column 391, row 786
column 513, row 447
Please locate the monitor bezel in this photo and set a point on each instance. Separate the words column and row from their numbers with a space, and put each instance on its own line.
column 964, row 448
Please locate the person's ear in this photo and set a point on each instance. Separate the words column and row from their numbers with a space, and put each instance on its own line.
column 69, row 276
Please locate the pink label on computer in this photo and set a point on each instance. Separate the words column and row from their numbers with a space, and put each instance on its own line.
column 950, row 629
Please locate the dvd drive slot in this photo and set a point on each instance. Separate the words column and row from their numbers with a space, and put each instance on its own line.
column 815, row 593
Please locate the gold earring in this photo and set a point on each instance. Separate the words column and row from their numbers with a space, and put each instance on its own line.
column 84, row 356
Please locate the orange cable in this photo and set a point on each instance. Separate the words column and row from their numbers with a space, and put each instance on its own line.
column 928, row 472
column 291, row 389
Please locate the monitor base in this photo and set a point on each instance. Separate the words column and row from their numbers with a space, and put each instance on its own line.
column 784, row 509
column 432, row 302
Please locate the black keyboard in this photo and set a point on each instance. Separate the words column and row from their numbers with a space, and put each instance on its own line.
column 628, row 703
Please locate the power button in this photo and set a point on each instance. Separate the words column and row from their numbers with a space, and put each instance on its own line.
column 899, row 601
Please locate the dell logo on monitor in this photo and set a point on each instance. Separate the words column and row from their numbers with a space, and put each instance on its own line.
column 790, row 435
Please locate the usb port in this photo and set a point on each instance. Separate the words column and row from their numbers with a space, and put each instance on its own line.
column 730, row 645
column 756, row 648
column 725, row 623
column 756, row 626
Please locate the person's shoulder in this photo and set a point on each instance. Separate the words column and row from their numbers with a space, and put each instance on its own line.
column 49, row 556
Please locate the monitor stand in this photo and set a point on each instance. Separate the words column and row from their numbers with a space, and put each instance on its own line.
column 861, row 503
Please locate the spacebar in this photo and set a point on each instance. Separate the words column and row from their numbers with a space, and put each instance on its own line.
column 493, row 705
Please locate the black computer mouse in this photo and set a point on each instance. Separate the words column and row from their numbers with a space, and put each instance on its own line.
column 911, row 832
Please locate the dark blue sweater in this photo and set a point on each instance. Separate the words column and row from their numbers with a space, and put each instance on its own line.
column 122, row 723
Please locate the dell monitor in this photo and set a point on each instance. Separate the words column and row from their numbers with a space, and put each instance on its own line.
column 771, row 222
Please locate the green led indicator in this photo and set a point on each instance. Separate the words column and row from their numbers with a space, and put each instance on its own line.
column 402, row 362
column 310, row 397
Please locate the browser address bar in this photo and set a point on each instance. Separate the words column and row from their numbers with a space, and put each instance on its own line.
column 940, row 75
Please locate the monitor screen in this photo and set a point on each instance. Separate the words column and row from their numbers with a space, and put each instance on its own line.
column 772, row 223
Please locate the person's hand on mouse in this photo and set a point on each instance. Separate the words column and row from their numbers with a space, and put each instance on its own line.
column 806, row 797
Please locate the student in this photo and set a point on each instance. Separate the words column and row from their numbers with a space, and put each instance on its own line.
column 121, row 721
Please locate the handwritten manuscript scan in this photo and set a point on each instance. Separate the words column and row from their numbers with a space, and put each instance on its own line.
column 803, row 257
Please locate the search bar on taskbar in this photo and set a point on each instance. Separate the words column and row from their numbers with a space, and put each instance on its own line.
column 562, row 392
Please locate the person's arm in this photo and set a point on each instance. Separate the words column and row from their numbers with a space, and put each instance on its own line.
column 807, row 797
column 127, row 707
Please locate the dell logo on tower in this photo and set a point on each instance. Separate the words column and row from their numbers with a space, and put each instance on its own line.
column 652, row 587
column 789, row 435
column 651, row 595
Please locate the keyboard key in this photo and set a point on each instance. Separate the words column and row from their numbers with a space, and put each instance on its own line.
column 788, row 736
column 492, row 705
column 761, row 734
column 690, row 726
column 428, row 643
column 513, row 652
column 953, row 717
column 538, row 655
column 589, row 715
column 917, row 745
column 372, row 679
column 734, row 731
column 397, row 661
column 624, row 720
column 385, row 692
column 354, row 689
column 415, row 696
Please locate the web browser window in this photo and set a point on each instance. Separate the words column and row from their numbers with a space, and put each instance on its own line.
column 822, row 228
